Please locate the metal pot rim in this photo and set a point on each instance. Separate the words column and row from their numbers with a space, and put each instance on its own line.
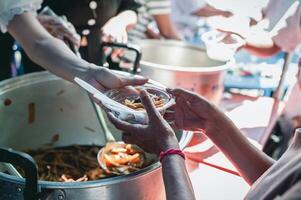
column 189, row 69
column 88, row 184
column 179, row 68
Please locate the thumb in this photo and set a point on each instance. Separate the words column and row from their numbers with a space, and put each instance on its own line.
column 182, row 93
column 133, row 80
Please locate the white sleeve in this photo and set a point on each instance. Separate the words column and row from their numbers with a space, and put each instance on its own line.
column 158, row 7
column 10, row 8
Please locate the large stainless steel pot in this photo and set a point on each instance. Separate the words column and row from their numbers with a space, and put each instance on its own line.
column 178, row 64
column 65, row 109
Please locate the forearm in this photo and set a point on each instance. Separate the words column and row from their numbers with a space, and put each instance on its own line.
column 261, row 51
column 209, row 11
column 249, row 161
column 45, row 50
column 176, row 179
column 166, row 27
column 56, row 57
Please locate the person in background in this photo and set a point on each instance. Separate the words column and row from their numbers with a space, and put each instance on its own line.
column 268, row 35
column 18, row 17
column 269, row 179
column 154, row 21
column 99, row 21
column 189, row 15
column 96, row 22
column 278, row 30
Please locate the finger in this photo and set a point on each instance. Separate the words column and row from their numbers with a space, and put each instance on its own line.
column 180, row 113
column 125, row 126
column 170, row 111
column 169, row 116
column 181, row 92
column 173, row 125
column 127, row 139
column 149, row 106
column 133, row 80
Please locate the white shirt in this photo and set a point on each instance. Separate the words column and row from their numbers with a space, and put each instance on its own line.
column 10, row 8
column 182, row 14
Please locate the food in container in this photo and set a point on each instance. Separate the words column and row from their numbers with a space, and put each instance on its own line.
column 119, row 158
column 80, row 163
column 136, row 103
column 130, row 97
column 74, row 163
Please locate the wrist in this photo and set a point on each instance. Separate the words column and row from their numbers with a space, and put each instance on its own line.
column 224, row 129
column 171, row 152
column 85, row 71
column 169, row 144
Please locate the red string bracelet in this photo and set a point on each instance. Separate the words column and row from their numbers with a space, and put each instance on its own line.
column 171, row 152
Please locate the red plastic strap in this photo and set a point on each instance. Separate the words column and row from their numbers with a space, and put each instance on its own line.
column 171, row 152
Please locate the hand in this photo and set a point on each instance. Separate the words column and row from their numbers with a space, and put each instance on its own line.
column 60, row 29
column 191, row 112
column 103, row 79
column 234, row 24
column 114, row 31
column 155, row 137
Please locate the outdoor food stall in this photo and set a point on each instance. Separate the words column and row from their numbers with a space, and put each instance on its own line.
column 65, row 132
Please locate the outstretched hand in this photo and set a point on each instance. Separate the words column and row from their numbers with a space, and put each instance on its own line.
column 191, row 112
column 155, row 137
column 103, row 79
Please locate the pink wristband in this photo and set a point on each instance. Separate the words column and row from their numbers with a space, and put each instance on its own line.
column 171, row 152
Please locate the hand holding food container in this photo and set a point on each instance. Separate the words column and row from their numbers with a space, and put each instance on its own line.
column 155, row 137
column 133, row 105
column 125, row 103
column 221, row 46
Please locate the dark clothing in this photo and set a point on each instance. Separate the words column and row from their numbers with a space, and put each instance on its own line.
column 6, row 53
column 78, row 13
column 283, row 179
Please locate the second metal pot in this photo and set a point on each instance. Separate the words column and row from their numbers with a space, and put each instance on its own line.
column 178, row 64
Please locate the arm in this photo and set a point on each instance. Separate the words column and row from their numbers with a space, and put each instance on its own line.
column 55, row 56
column 258, row 41
column 262, row 52
column 189, row 114
column 47, row 51
column 249, row 161
column 156, row 137
column 176, row 179
column 166, row 28
column 208, row 11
